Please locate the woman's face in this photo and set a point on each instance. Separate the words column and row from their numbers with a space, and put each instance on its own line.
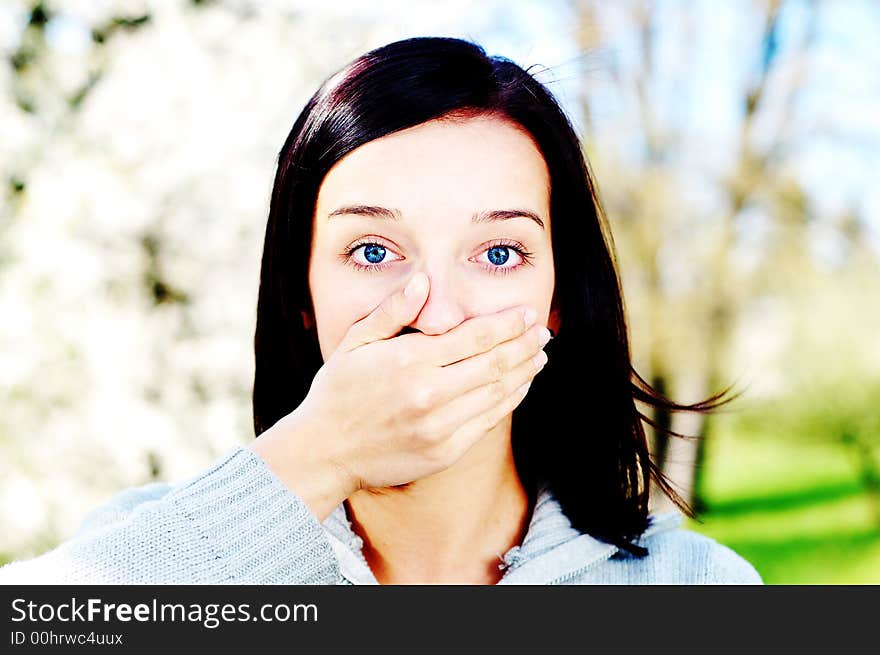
column 456, row 199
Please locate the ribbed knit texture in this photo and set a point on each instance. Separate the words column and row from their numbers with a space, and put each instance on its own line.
column 238, row 523
column 233, row 523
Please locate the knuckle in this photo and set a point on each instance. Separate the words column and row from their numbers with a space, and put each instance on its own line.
column 418, row 436
column 484, row 339
column 425, row 431
column 403, row 358
column 497, row 365
column 422, row 399
column 497, row 391
column 421, row 436
column 427, row 443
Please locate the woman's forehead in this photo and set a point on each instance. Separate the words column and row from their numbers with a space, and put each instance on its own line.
column 462, row 165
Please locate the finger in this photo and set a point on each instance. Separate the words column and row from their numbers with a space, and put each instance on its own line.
column 450, row 416
column 391, row 315
column 475, row 335
column 492, row 366
column 472, row 431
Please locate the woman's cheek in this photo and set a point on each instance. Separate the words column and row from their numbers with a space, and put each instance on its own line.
column 350, row 304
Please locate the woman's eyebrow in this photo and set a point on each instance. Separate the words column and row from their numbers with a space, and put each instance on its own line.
column 372, row 211
column 506, row 214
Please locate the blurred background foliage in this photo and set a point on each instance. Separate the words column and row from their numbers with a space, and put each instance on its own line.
column 736, row 147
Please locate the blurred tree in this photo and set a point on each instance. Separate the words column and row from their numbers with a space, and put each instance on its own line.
column 94, row 248
column 647, row 176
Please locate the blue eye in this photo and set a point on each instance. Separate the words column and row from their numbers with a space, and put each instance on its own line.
column 373, row 253
column 372, row 250
column 498, row 253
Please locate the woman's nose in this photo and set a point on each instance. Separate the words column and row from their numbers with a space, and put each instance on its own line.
column 445, row 307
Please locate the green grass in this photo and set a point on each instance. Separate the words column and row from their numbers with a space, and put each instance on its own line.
column 794, row 508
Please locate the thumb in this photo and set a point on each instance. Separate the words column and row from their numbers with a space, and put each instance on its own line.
column 393, row 313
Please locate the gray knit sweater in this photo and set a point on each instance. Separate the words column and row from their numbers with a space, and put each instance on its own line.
column 236, row 522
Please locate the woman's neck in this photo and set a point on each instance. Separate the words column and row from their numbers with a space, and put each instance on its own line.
column 451, row 527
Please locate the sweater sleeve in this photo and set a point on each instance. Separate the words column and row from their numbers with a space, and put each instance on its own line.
column 235, row 522
column 728, row 567
column 688, row 557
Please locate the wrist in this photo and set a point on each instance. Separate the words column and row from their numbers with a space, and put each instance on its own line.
column 289, row 449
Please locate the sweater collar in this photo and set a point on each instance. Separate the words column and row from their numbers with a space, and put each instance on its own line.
column 551, row 550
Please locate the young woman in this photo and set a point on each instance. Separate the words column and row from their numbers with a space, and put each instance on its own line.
column 432, row 221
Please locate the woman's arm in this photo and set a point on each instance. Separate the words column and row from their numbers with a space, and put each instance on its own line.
column 236, row 522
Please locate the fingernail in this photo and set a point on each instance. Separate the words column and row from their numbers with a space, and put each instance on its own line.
column 540, row 359
column 545, row 337
column 530, row 316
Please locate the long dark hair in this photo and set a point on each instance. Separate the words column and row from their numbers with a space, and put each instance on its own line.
column 579, row 429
